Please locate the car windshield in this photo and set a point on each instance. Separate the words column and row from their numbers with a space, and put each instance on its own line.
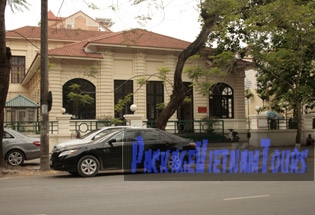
column 89, row 133
column 107, row 136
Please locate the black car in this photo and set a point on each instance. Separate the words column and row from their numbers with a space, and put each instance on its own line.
column 125, row 149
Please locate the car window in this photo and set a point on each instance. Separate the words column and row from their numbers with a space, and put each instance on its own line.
column 6, row 135
column 106, row 131
column 153, row 135
column 131, row 135
column 119, row 137
column 89, row 133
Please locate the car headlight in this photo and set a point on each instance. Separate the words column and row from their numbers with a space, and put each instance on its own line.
column 69, row 152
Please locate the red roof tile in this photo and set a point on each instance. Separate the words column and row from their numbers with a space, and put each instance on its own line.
column 82, row 38
column 74, row 50
column 142, row 38
column 32, row 32
column 51, row 15
column 137, row 37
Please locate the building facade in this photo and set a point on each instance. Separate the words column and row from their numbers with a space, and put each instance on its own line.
column 108, row 66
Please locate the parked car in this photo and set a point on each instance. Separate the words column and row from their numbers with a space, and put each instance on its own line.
column 114, row 151
column 18, row 147
column 90, row 136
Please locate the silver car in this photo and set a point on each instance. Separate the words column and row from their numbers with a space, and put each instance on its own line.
column 18, row 147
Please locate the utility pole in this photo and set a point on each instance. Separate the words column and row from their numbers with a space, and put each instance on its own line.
column 44, row 128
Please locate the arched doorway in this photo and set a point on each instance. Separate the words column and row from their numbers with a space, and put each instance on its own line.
column 221, row 101
column 78, row 98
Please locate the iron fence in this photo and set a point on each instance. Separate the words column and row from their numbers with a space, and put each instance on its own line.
column 277, row 124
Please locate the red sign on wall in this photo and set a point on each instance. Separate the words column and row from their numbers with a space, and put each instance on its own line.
column 202, row 109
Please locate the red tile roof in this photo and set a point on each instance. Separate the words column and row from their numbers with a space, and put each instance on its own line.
column 32, row 32
column 82, row 38
column 136, row 37
column 141, row 38
column 51, row 15
column 74, row 50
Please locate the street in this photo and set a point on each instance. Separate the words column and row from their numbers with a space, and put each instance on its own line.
column 106, row 193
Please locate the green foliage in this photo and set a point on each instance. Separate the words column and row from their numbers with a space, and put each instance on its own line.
column 141, row 81
column 162, row 75
column 279, row 36
column 116, row 121
column 222, row 59
column 93, row 6
column 160, row 106
column 122, row 102
column 202, row 77
column 187, row 99
column 51, row 65
column 163, row 72
column 248, row 94
column 283, row 52
column 18, row 5
column 78, row 97
column 92, row 72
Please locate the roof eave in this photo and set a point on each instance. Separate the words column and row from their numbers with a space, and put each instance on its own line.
column 77, row 58
column 134, row 47
column 32, row 69
column 37, row 38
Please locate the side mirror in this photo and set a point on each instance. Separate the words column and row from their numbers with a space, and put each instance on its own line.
column 111, row 141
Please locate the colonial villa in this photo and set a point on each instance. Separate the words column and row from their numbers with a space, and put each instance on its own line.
column 106, row 65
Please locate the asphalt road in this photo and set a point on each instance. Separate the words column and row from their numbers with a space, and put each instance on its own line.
column 29, row 191
column 111, row 194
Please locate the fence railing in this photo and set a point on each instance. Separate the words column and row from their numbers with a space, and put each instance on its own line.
column 84, row 126
column 212, row 130
column 276, row 124
column 29, row 127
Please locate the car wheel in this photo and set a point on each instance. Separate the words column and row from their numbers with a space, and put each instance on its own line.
column 174, row 163
column 88, row 166
column 15, row 157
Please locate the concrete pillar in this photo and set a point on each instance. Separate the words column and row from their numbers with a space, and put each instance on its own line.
column 258, row 122
column 307, row 121
column 63, row 124
column 135, row 120
column 307, row 126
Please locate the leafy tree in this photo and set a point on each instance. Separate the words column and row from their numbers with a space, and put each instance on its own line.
column 5, row 55
column 78, row 98
column 278, row 34
column 211, row 12
column 282, row 45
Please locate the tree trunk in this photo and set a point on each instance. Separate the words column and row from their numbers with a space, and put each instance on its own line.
column 299, row 122
column 5, row 55
column 179, row 91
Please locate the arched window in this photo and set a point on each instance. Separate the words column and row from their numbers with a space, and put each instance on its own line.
column 81, row 103
column 221, row 101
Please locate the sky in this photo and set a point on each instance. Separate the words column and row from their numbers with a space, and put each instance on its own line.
column 178, row 18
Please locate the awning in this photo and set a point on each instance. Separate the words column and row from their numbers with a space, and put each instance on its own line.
column 21, row 101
